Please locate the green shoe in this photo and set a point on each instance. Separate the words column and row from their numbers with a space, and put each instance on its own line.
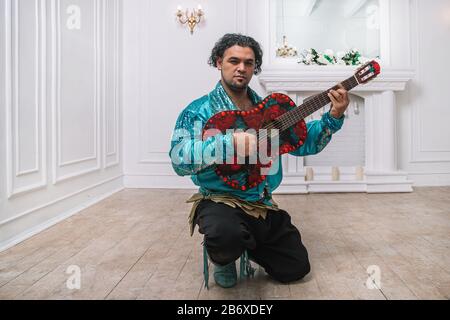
column 225, row 276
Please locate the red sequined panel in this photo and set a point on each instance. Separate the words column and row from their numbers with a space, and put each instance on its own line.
column 262, row 115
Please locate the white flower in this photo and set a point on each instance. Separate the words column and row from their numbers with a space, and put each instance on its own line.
column 329, row 53
column 340, row 55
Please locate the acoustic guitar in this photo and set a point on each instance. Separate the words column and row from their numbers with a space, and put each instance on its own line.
column 277, row 111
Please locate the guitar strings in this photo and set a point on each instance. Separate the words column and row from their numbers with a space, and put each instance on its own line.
column 292, row 117
column 312, row 105
column 308, row 107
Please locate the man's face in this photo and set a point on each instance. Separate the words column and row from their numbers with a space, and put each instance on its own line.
column 237, row 67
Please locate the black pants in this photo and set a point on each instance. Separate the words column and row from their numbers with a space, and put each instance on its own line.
column 273, row 243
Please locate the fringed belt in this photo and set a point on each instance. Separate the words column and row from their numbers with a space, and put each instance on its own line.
column 255, row 209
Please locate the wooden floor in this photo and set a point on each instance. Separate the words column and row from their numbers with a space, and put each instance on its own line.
column 136, row 245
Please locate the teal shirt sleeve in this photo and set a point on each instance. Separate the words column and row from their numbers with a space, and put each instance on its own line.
column 319, row 135
column 189, row 153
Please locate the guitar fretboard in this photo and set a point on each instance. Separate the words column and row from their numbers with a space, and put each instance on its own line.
column 311, row 105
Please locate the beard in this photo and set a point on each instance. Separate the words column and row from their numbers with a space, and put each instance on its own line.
column 236, row 85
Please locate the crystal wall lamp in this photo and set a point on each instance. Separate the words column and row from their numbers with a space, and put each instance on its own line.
column 190, row 18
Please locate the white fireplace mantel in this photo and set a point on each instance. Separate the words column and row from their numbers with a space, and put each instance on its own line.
column 380, row 170
column 311, row 78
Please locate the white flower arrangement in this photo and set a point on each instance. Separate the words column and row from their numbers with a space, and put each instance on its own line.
column 350, row 58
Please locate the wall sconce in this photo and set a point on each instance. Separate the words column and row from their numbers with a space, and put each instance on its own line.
column 191, row 19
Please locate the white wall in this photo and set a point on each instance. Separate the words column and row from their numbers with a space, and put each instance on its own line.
column 169, row 70
column 60, row 115
column 425, row 108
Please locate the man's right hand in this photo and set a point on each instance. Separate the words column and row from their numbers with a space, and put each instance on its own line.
column 245, row 144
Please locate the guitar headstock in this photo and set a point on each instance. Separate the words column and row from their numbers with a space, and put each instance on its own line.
column 368, row 72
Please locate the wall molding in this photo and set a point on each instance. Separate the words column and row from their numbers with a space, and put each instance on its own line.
column 111, row 158
column 19, row 180
column 419, row 154
column 241, row 8
column 16, row 78
column 73, row 170
column 144, row 155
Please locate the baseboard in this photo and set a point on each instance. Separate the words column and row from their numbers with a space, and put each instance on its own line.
column 430, row 179
column 20, row 228
column 377, row 183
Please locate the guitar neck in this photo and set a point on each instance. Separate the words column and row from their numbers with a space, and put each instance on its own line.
column 312, row 104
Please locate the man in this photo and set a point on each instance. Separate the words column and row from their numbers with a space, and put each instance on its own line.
column 237, row 223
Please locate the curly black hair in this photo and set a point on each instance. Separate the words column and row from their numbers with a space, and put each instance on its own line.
column 232, row 39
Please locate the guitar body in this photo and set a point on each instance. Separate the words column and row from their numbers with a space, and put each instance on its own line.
column 261, row 116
